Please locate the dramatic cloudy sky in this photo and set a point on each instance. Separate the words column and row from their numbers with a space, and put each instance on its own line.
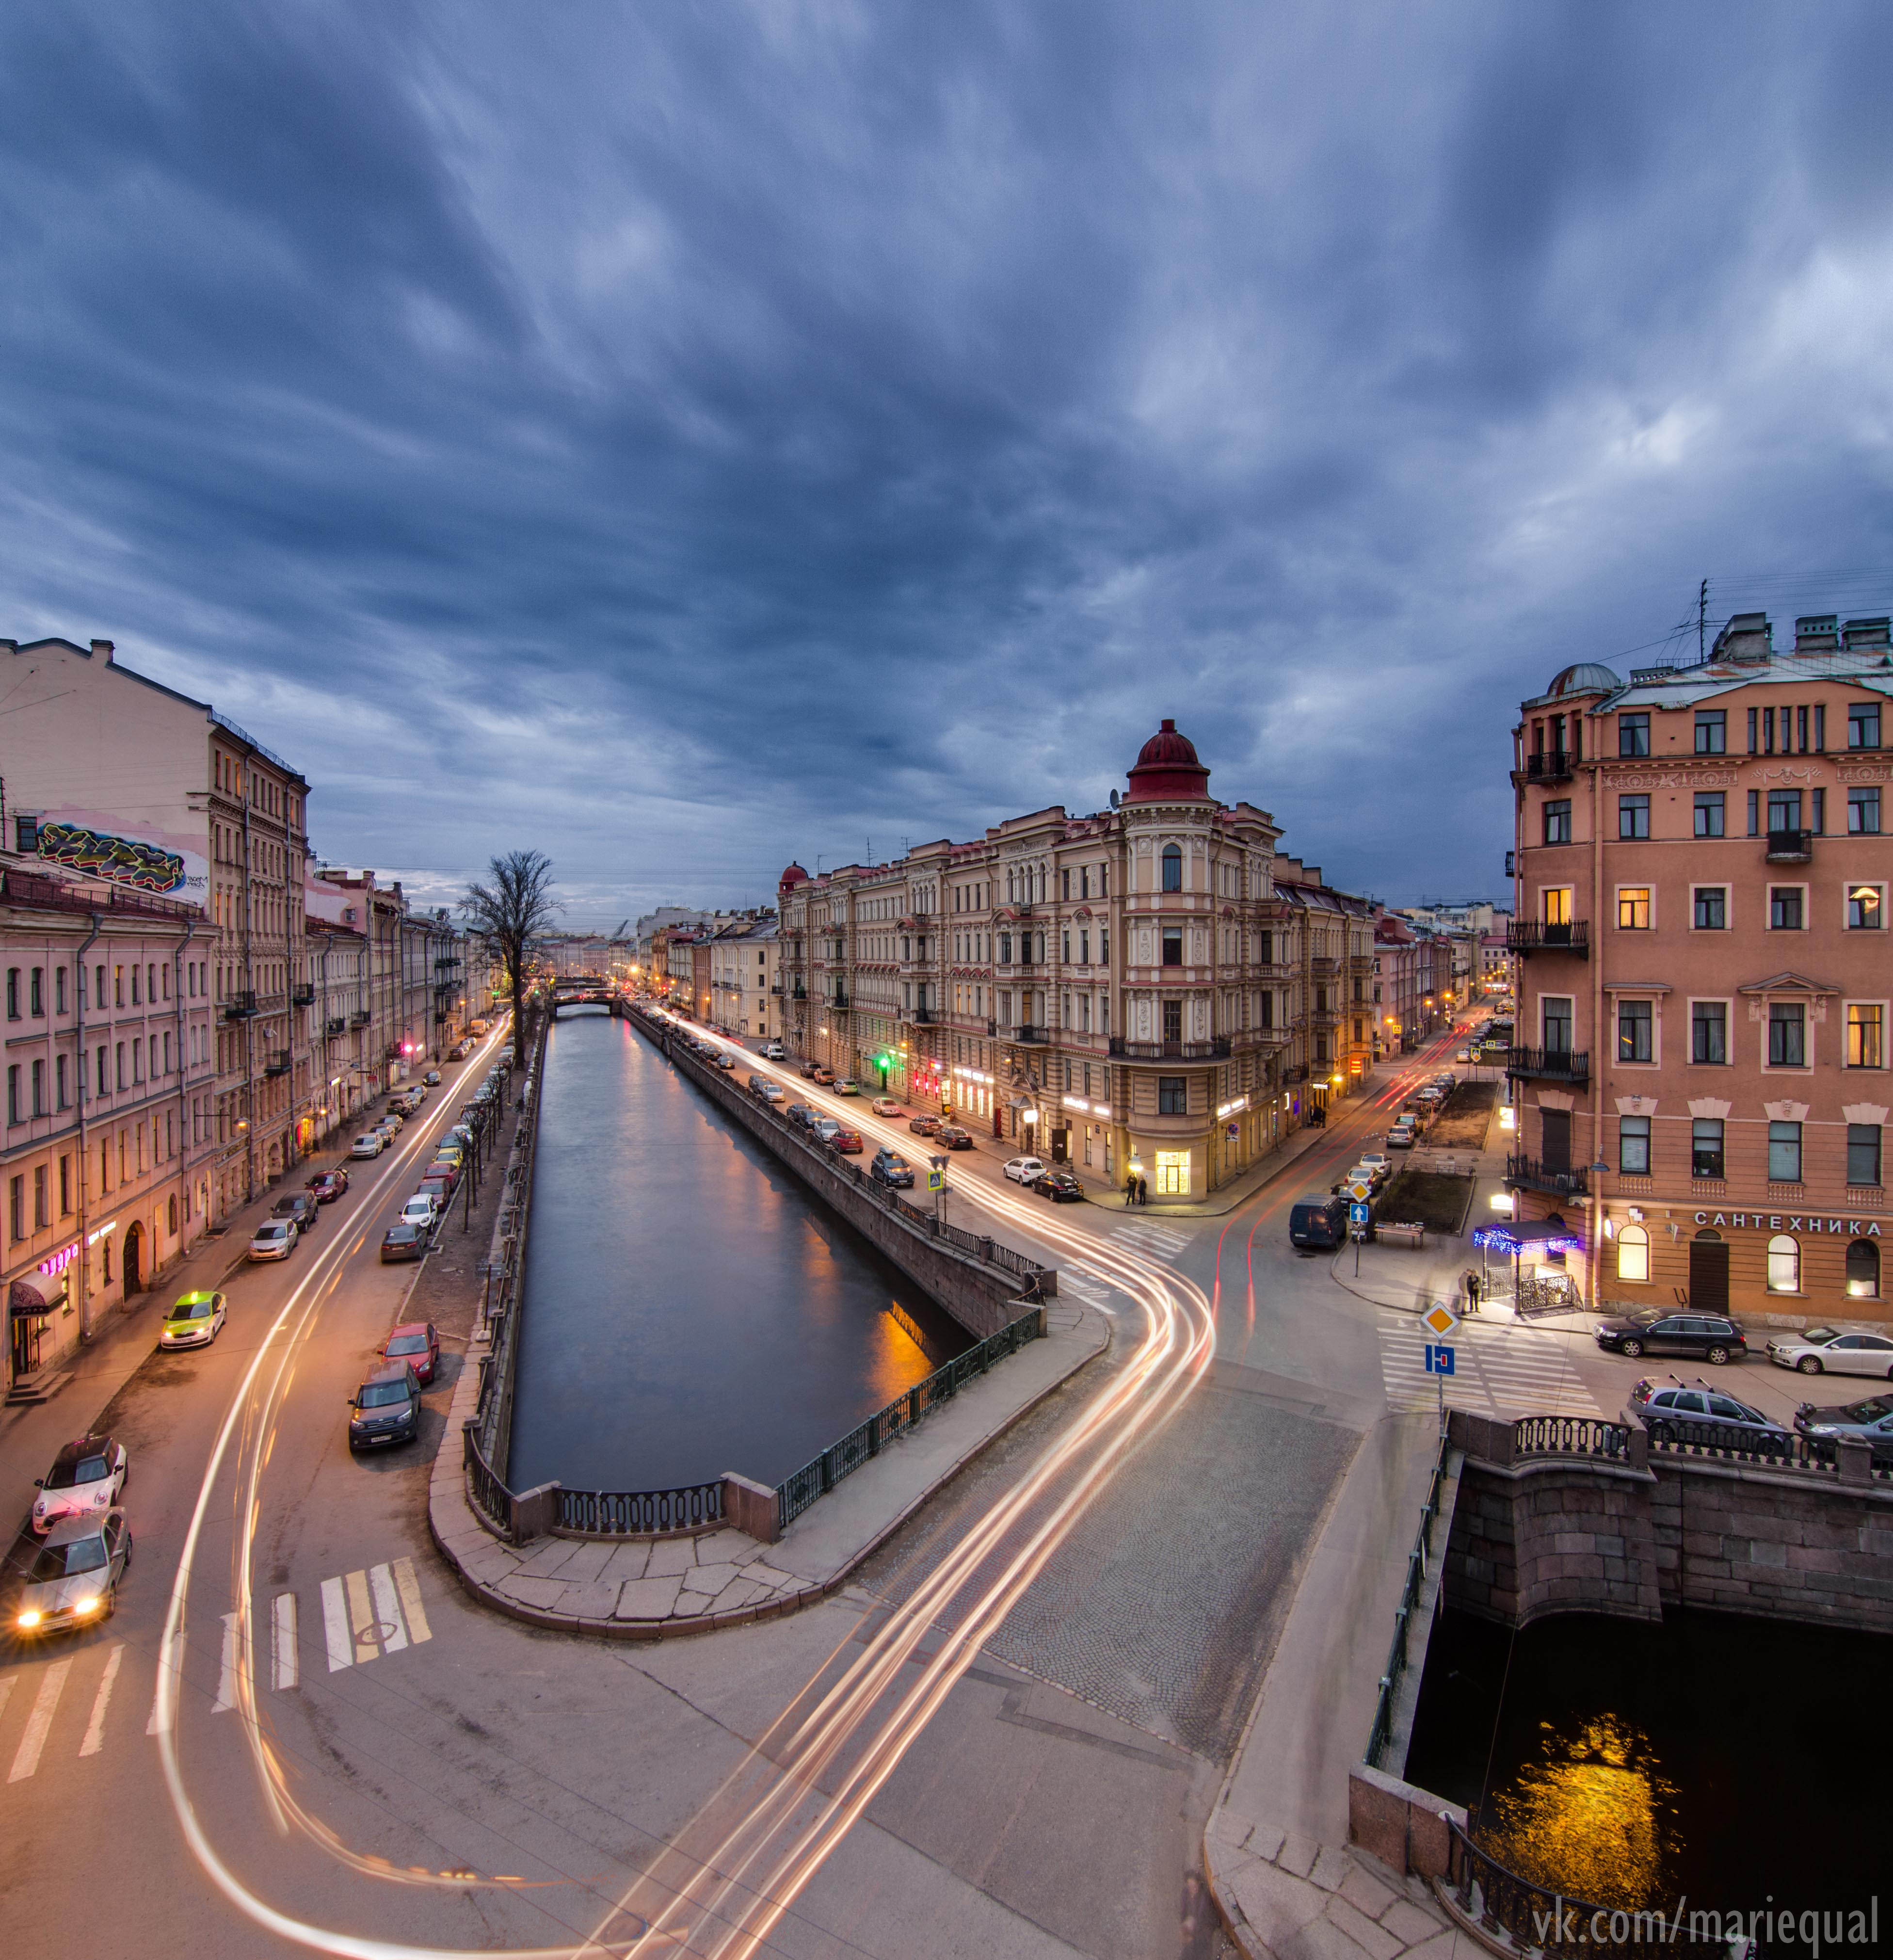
column 682, row 436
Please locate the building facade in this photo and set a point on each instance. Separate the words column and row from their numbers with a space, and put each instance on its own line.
column 1702, row 983
column 1128, row 992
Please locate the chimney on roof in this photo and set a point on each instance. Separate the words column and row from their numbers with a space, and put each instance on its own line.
column 1818, row 633
column 102, row 650
column 1869, row 633
column 1748, row 640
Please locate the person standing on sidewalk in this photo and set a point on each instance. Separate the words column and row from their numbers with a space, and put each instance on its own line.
column 1130, row 1188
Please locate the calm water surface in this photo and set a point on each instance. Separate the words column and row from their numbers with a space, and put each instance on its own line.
column 689, row 1308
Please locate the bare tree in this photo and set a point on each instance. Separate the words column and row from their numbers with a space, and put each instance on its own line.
column 512, row 910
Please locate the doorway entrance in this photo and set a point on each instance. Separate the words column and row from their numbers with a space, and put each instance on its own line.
column 1709, row 1273
column 133, row 1256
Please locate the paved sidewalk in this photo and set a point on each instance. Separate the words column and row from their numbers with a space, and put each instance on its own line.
column 652, row 1589
column 1275, row 1850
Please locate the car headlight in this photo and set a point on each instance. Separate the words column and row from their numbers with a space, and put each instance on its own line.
column 90, row 1605
column 30, row 1618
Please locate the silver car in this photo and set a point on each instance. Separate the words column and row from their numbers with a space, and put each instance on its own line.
column 1834, row 1350
column 73, row 1579
column 276, row 1238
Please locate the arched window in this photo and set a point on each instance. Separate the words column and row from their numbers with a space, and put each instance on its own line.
column 1863, row 1270
column 1633, row 1255
column 1173, row 868
column 173, row 1217
column 1784, row 1265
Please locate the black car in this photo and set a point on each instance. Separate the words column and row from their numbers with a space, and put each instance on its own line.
column 1870, row 1421
column 954, row 1137
column 386, row 1409
column 1672, row 1408
column 1318, row 1223
column 891, row 1169
column 1060, row 1186
column 300, row 1205
column 1703, row 1337
column 801, row 1113
column 403, row 1241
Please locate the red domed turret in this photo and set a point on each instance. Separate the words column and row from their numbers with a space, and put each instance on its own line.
column 1167, row 768
column 790, row 878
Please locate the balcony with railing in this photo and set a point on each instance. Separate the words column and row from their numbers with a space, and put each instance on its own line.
column 239, row 1006
column 1324, row 969
column 839, row 1002
column 336, row 1024
column 303, row 995
column 1217, row 1048
column 279, row 1062
column 1553, row 765
column 1791, row 847
column 1026, row 1031
column 360, row 1018
column 921, row 1017
column 1548, row 1064
column 1534, row 1174
column 1574, row 936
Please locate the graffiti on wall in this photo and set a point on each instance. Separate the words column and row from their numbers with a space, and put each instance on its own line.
column 124, row 860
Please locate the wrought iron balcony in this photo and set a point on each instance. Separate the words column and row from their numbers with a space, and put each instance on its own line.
column 1549, row 1065
column 303, row 996
column 336, row 1024
column 1215, row 1049
column 1535, row 935
column 1026, row 1032
column 1534, row 1174
column 279, row 1062
column 1554, row 766
column 921, row 1017
column 839, row 1003
column 239, row 1006
column 360, row 1018
column 1791, row 847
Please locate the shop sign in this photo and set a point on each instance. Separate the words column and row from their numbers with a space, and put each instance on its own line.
column 1782, row 1221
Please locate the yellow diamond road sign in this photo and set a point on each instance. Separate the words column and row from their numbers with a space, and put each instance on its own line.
column 1358, row 1192
column 1439, row 1320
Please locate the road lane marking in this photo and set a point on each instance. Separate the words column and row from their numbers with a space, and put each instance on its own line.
column 408, row 1587
column 6, row 1691
column 227, row 1669
column 284, row 1661
column 335, row 1625
column 95, row 1729
column 361, row 1616
column 52, row 1685
column 387, row 1609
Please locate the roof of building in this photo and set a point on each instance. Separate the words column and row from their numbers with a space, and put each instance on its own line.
column 1166, row 767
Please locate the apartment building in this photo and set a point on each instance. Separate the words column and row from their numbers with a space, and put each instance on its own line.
column 1125, row 991
column 109, row 1024
column 744, row 962
column 1412, row 992
column 1704, row 975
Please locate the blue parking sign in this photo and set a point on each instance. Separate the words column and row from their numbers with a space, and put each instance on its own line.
column 1439, row 1358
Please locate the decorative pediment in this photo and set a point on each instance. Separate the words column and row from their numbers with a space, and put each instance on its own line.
column 1709, row 1109
column 1786, row 1112
column 1787, row 983
column 1636, row 1106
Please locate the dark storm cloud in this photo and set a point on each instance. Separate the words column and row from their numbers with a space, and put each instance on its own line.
column 684, row 438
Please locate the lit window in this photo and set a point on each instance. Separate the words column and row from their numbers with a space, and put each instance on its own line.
column 1632, row 907
column 1863, row 1270
column 1784, row 1265
column 1865, row 911
column 1864, row 1030
column 1633, row 1255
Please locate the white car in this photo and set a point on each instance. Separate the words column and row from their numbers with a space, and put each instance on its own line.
column 369, row 1144
column 87, row 1475
column 1024, row 1170
column 1376, row 1159
column 774, row 1051
column 1831, row 1351
column 275, row 1239
column 420, row 1210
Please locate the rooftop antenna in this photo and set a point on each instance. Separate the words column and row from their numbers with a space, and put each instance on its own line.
column 1114, row 799
column 1702, row 618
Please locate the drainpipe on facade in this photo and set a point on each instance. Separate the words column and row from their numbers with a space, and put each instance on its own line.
column 249, row 1020
column 183, row 1070
column 83, row 1262
column 1600, row 1048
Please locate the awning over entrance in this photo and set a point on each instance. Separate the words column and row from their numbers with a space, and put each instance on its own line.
column 1532, row 1235
column 33, row 1294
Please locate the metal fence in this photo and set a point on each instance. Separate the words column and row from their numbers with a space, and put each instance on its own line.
column 604, row 1513
column 1570, row 1435
column 487, row 1491
column 795, row 1494
column 1417, row 1560
column 1777, row 1450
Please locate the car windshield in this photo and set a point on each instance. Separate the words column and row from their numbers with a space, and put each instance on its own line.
column 1819, row 1337
column 402, row 1235
column 192, row 1310
column 86, row 1470
column 273, row 1231
column 382, row 1395
column 407, row 1343
column 1869, row 1411
column 65, row 1561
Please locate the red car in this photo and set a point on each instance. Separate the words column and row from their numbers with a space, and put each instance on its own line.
column 418, row 1343
column 326, row 1186
column 848, row 1142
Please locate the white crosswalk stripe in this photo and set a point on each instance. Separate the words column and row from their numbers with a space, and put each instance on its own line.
column 52, row 1685
column 1156, row 1242
column 227, row 1669
column 368, row 1613
column 95, row 1729
column 285, row 1664
column 1504, row 1372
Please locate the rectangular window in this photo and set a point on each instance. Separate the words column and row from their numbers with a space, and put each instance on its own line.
column 1752, row 732
column 1705, row 1147
column 13, row 992
column 1784, row 810
column 1784, row 1153
column 12, row 1093
column 1863, row 724
column 1557, row 821
column 36, row 991
column 1787, row 1035
column 1821, row 727
column 1632, row 1146
column 1173, row 1173
column 1863, row 1154
column 1755, row 817
column 121, row 1064
column 1711, row 908
column 1819, row 822
column 1768, row 731
column 1632, row 735
column 1784, row 908
column 1632, row 907
column 1556, row 903
column 1711, row 807
column 1172, row 1095
column 65, row 1187
column 1864, row 1031
column 1709, row 1031
column 1866, row 909
column 1172, row 1020
column 61, row 1088
column 17, row 1207
column 1633, row 816
column 1173, row 946
column 39, row 1088
column 42, row 1199
column 1712, row 731
column 1863, row 812
column 1557, row 1023
column 59, row 990
column 1634, row 1031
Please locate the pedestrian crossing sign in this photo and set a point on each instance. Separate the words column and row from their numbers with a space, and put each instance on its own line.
column 936, row 1180
column 1439, row 1320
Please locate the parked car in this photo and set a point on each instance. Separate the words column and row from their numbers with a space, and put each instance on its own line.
column 369, row 1144
column 765, row 1090
column 1024, row 1170
column 195, row 1321
column 431, row 1185
column 806, row 1070
column 274, row 1238
column 774, row 1051
column 1710, row 1337
column 421, row 1211
column 386, row 1409
column 885, row 1105
column 848, row 1085
column 418, row 1343
column 848, row 1142
column 891, row 1169
column 1318, row 1223
column 87, row 1476
column 725, row 1059
column 1464, row 1054
column 450, row 1150
column 826, row 1128
column 73, row 1579
column 1376, row 1160
column 326, row 1186
column 1832, row 1351
column 824, row 1075
column 1870, row 1422
column 1662, row 1408
column 923, row 1126
column 432, row 1078
column 1060, row 1187
column 803, row 1113
column 300, row 1206
column 1401, row 1136
column 447, row 1170
column 404, row 1241
column 457, row 1052
column 954, row 1137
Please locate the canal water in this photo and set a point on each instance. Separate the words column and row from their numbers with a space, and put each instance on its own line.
column 1734, row 1763
column 690, row 1308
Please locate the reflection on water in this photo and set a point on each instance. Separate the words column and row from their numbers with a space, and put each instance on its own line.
column 1590, row 1815
column 690, row 1310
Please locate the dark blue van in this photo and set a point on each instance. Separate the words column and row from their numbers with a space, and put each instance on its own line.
column 1318, row 1223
